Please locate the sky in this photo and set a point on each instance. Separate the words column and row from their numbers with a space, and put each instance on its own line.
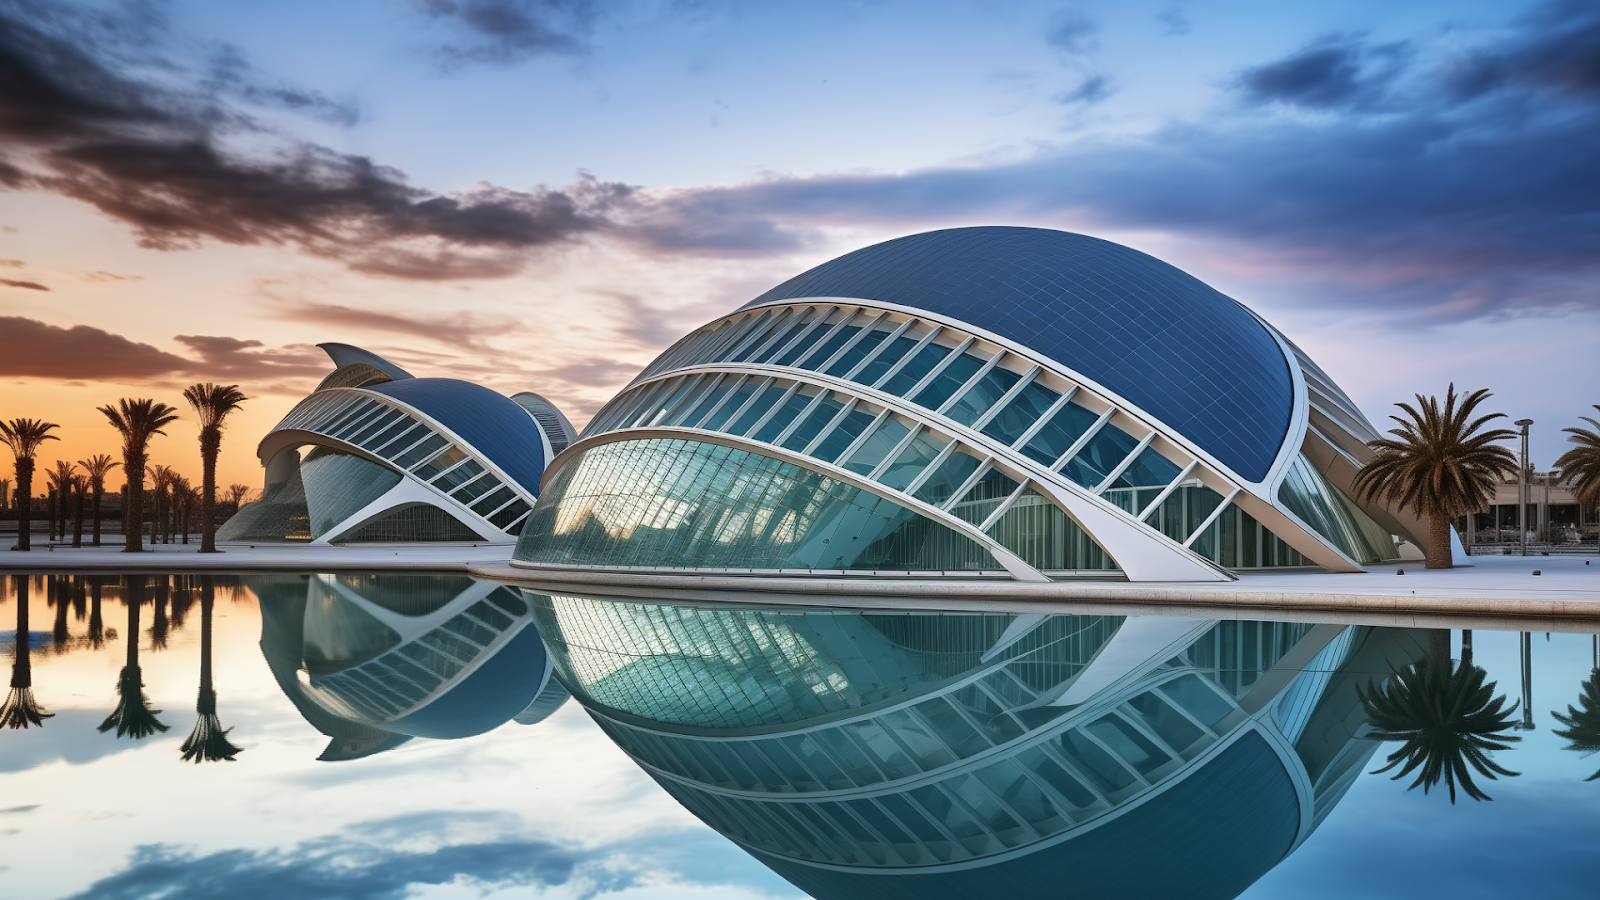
column 544, row 194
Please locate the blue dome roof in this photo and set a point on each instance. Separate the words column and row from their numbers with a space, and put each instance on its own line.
column 1165, row 340
column 496, row 427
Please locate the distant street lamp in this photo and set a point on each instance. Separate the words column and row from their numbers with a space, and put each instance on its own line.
column 1522, row 489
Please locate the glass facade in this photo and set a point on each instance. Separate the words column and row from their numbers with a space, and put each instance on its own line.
column 280, row 515
column 904, row 740
column 411, row 524
column 1331, row 514
column 338, row 485
column 677, row 503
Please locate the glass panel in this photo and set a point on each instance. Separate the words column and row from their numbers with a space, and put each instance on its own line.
column 1051, row 773
column 878, row 445
column 1108, row 448
column 709, row 402
column 375, row 425
column 1059, row 434
column 1093, row 761
column 788, row 334
column 492, row 500
column 842, row 366
column 927, row 750
column 952, row 728
column 809, row 752
column 786, row 414
column 684, row 503
column 830, row 347
column 1018, row 791
column 918, row 455
column 427, row 447
column 475, row 488
column 915, row 822
column 338, row 485
column 985, row 496
column 1199, row 700
column 758, row 408
column 458, row 476
column 819, row 418
column 985, row 713
column 989, row 812
column 804, row 344
column 759, row 342
column 1045, row 537
column 508, row 515
column 1170, row 725
column 989, row 390
column 715, row 421
column 1030, row 404
column 949, row 380
column 914, row 371
column 439, row 463
column 889, row 756
column 948, row 478
column 1328, row 512
column 843, row 435
column 398, row 441
column 690, row 402
column 352, row 423
column 885, row 360
column 1126, row 741
column 1182, row 512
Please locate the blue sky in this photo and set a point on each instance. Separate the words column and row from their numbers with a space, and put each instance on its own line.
column 545, row 193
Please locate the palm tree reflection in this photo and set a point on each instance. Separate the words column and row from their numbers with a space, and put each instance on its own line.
column 20, row 710
column 209, row 740
column 133, row 716
column 1446, row 717
column 1583, row 722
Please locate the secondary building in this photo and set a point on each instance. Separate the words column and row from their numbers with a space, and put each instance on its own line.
column 376, row 455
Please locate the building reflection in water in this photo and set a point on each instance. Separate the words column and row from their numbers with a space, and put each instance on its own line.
column 375, row 660
column 960, row 755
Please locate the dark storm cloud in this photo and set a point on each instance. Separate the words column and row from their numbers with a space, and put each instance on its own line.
column 35, row 349
column 506, row 31
column 1558, row 49
column 332, row 869
column 73, row 120
column 1335, row 71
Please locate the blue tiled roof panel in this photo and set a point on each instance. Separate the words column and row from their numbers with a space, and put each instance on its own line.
column 1165, row 340
column 495, row 427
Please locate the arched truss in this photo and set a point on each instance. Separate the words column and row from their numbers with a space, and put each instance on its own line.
column 436, row 467
column 996, row 405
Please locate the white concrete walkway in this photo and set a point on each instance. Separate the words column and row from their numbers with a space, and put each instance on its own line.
column 240, row 557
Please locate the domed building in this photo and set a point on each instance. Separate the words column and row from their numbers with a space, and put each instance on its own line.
column 376, row 455
column 984, row 402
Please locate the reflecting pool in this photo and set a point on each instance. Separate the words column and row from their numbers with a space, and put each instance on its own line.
column 393, row 735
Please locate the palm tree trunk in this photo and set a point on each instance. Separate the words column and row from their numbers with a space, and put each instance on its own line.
column 97, row 624
column 77, row 516
column 209, row 451
column 133, row 506
column 1439, row 556
column 99, row 494
column 25, row 504
column 50, row 514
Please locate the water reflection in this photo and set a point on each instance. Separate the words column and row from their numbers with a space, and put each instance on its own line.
column 20, row 709
column 372, row 661
column 979, row 755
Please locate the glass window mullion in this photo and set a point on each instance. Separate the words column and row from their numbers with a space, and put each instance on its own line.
column 1119, row 468
column 939, row 368
column 827, row 430
column 1005, row 401
column 801, row 416
column 1212, row 518
column 889, row 458
column 780, row 327
column 733, row 388
column 976, row 476
column 1055, row 408
column 876, row 351
column 863, row 437
column 766, row 416
column 932, row 467
column 977, row 376
column 1084, row 439
column 844, row 320
column 910, row 355
column 861, row 335
column 756, row 329
column 1167, row 491
column 801, row 336
column 766, row 382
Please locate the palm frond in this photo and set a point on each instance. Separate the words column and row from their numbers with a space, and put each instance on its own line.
column 1582, row 732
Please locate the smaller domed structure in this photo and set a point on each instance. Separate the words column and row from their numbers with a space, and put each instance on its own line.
column 376, row 455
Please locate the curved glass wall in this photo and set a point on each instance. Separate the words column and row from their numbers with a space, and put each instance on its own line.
column 280, row 515
column 338, row 485
column 411, row 524
column 872, row 741
column 1328, row 512
column 684, row 504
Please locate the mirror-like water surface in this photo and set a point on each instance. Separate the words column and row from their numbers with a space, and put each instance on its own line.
column 428, row 735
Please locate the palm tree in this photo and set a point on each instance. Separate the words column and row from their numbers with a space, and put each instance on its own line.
column 1439, row 465
column 209, row 740
column 236, row 494
column 60, row 479
column 20, row 710
column 212, row 403
column 160, row 477
column 138, row 421
column 95, row 469
column 97, row 630
column 1580, row 466
column 133, row 716
column 1583, row 724
column 1446, row 717
column 24, row 436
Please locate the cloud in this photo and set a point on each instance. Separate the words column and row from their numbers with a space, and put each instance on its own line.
column 1072, row 32
column 460, row 329
column 1176, row 22
column 1557, row 49
column 28, row 285
column 507, row 31
column 1333, row 72
column 84, row 353
column 1091, row 91
column 99, row 277
column 334, row 869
